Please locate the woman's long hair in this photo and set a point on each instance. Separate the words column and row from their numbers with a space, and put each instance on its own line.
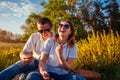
column 71, row 37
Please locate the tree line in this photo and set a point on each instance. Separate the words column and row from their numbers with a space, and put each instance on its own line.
column 6, row 36
column 86, row 15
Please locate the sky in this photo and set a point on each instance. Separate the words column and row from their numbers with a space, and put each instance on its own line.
column 13, row 13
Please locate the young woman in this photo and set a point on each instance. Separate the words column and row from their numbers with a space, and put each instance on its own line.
column 58, row 55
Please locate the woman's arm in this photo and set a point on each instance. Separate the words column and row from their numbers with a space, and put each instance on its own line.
column 42, row 66
column 67, row 64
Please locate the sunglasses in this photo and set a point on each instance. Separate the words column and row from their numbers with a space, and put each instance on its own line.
column 45, row 30
column 66, row 26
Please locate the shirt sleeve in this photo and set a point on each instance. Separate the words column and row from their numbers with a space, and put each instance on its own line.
column 47, row 46
column 29, row 46
column 73, row 52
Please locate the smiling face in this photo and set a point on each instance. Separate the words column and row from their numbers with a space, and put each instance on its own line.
column 44, row 30
column 64, row 29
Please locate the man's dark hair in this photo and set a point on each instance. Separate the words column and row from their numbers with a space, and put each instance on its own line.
column 44, row 21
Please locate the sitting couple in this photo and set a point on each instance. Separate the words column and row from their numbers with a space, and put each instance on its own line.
column 52, row 60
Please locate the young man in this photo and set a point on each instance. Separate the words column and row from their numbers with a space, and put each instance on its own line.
column 29, row 62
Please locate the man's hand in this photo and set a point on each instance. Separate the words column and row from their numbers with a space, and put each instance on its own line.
column 26, row 57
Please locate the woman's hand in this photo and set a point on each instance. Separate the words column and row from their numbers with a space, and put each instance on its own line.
column 59, row 50
column 45, row 75
column 67, row 64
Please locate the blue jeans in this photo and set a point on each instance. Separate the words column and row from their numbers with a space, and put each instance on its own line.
column 17, row 68
column 35, row 75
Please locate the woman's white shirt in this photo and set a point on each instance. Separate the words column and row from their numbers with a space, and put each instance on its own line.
column 53, row 64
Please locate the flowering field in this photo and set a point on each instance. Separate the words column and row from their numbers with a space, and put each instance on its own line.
column 9, row 53
column 100, row 53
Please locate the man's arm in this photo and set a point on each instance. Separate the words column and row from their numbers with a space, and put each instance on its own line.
column 26, row 56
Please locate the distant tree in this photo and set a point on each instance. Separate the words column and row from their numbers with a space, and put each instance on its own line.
column 100, row 14
column 98, row 17
column 30, row 25
column 91, row 14
column 113, row 13
column 63, row 9
column 3, row 34
column 6, row 36
column 55, row 10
